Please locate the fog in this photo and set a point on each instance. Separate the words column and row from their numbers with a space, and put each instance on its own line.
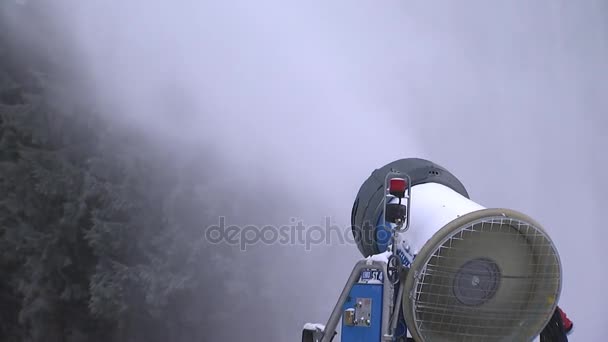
column 305, row 99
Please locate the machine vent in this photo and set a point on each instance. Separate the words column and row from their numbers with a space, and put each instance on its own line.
column 494, row 278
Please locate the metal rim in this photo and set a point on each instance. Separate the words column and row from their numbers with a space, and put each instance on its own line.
column 438, row 240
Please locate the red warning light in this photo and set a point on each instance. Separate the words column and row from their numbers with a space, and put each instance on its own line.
column 397, row 187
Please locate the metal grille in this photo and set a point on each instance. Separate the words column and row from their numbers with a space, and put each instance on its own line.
column 495, row 279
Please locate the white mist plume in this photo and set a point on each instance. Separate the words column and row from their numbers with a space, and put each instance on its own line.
column 510, row 96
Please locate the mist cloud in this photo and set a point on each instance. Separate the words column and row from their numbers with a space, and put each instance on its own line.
column 305, row 99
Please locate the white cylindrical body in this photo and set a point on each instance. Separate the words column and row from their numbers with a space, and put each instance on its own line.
column 432, row 207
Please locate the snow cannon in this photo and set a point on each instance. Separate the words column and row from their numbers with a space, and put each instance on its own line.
column 438, row 266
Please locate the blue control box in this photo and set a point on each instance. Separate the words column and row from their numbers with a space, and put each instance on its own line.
column 362, row 314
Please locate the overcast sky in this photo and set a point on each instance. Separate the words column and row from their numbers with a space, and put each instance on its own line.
column 309, row 97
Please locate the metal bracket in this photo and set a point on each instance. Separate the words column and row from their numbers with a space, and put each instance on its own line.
column 400, row 226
